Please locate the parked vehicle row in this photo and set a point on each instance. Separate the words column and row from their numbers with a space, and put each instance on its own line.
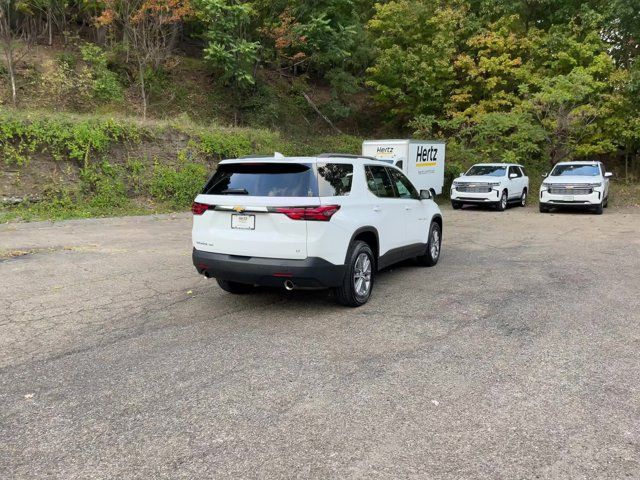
column 570, row 184
column 331, row 221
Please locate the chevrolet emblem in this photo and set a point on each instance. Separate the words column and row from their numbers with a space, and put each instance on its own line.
column 239, row 209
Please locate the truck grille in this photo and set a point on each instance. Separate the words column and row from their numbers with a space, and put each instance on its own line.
column 473, row 188
column 566, row 189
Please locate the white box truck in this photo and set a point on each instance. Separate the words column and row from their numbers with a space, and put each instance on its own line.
column 420, row 160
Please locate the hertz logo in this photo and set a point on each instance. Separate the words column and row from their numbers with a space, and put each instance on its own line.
column 426, row 157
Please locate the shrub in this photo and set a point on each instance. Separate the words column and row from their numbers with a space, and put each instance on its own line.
column 106, row 86
column 61, row 136
column 177, row 186
column 103, row 186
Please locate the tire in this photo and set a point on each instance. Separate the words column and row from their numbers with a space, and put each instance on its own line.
column 434, row 247
column 504, row 201
column 359, row 277
column 234, row 287
column 599, row 209
column 606, row 202
column 456, row 205
column 523, row 198
column 544, row 209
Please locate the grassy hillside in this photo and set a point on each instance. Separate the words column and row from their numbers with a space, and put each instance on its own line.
column 64, row 166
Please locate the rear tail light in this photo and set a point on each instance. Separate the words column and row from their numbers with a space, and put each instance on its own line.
column 319, row 214
column 199, row 208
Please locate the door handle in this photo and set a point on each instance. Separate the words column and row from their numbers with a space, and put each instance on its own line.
column 377, row 209
column 408, row 209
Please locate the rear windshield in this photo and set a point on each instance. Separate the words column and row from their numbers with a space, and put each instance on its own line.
column 281, row 180
column 576, row 169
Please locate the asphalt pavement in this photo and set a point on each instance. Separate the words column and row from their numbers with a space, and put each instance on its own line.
column 516, row 357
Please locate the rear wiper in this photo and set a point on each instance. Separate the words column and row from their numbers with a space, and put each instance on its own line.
column 235, row 191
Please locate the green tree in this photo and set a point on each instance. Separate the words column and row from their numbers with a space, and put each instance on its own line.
column 415, row 43
column 229, row 44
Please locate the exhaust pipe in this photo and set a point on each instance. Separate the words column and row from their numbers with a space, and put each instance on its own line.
column 288, row 285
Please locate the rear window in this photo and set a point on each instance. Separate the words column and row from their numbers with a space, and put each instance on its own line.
column 263, row 180
column 334, row 179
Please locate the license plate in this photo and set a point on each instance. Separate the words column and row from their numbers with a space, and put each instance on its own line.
column 243, row 222
column 568, row 198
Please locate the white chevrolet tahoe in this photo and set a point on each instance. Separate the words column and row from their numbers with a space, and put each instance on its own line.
column 496, row 184
column 576, row 184
column 330, row 221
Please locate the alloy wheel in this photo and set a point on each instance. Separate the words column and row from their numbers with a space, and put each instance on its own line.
column 362, row 275
column 435, row 244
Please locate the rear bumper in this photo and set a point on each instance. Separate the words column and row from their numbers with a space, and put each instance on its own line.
column 269, row 272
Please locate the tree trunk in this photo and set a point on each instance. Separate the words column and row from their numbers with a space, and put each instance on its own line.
column 50, row 25
column 8, row 53
column 322, row 115
column 143, row 90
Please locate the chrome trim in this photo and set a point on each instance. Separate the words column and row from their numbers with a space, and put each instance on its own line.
column 234, row 208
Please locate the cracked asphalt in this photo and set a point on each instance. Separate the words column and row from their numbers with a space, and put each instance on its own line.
column 518, row 356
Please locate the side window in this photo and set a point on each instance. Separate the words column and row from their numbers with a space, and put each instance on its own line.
column 399, row 164
column 524, row 172
column 515, row 170
column 334, row 179
column 379, row 182
column 602, row 169
column 403, row 186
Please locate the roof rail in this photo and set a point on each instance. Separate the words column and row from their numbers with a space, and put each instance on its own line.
column 275, row 155
column 254, row 156
column 345, row 155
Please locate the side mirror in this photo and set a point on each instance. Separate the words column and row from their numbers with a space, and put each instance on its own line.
column 513, row 175
column 426, row 195
column 545, row 175
column 608, row 175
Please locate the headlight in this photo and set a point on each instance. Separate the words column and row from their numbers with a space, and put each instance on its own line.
column 455, row 184
column 545, row 186
column 494, row 184
column 594, row 185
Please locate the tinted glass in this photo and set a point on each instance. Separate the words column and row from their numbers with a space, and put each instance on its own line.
column 491, row 170
column 403, row 186
column 263, row 180
column 334, row 179
column 379, row 182
column 524, row 172
column 573, row 169
column 515, row 170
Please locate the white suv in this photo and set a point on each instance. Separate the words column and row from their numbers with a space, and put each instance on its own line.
column 576, row 184
column 496, row 184
column 330, row 221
